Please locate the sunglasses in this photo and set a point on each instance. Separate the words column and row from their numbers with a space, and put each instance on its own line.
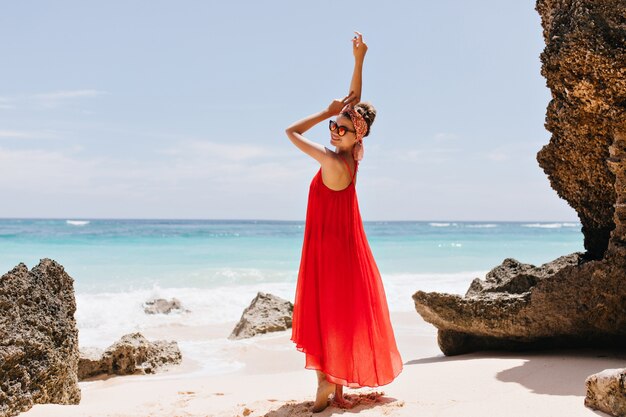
column 341, row 130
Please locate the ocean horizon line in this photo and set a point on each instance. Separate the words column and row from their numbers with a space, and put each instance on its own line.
column 252, row 220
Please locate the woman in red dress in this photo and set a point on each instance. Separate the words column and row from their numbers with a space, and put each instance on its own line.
column 341, row 318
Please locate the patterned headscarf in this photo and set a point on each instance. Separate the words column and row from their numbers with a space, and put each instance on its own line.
column 360, row 125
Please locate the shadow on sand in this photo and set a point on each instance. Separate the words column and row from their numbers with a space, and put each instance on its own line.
column 551, row 372
column 361, row 401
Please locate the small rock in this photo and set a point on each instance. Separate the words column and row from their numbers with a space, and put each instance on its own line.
column 606, row 391
column 162, row 306
column 90, row 362
column 266, row 313
column 132, row 354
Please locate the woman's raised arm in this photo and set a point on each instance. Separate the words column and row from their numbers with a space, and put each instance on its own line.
column 359, row 48
column 295, row 131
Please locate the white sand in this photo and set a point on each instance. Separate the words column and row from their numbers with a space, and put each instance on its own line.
column 274, row 383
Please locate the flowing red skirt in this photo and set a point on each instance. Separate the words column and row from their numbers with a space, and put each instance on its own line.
column 341, row 318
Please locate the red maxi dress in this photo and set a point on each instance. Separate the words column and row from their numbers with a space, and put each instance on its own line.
column 340, row 316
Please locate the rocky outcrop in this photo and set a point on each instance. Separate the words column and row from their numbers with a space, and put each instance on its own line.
column 90, row 362
column 584, row 63
column 38, row 338
column 163, row 306
column 132, row 354
column 617, row 165
column 513, row 277
column 579, row 299
column 520, row 306
column 266, row 313
column 606, row 391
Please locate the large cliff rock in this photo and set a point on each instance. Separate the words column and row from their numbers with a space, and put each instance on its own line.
column 38, row 338
column 584, row 63
column 579, row 299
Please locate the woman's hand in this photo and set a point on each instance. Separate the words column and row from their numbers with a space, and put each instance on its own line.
column 335, row 107
column 359, row 48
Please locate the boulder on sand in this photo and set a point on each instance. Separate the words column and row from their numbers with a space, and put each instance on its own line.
column 38, row 338
column 132, row 354
column 266, row 313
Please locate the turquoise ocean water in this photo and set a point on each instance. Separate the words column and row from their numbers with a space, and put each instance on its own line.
column 216, row 267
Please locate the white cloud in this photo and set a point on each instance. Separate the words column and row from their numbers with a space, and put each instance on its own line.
column 213, row 150
column 58, row 98
column 497, row 155
column 445, row 136
column 37, row 170
column 192, row 165
column 425, row 154
column 5, row 104
column 27, row 134
column 68, row 94
column 48, row 99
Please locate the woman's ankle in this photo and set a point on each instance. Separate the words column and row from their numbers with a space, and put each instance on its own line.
column 321, row 376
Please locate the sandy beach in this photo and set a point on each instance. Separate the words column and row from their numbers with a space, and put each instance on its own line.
column 153, row 151
column 273, row 382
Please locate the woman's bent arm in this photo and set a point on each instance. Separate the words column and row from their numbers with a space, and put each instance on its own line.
column 295, row 131
column 315, row 150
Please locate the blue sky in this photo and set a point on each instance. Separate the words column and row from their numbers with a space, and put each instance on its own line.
column 155, row 109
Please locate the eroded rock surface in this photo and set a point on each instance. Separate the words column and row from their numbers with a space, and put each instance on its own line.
column 584, row 63
column 579, row 299
column 606, row 391
column 514, row 277
column 132, row 354
column 568, row 304
column 163, row 306
column 266, row 313
column 38, row 338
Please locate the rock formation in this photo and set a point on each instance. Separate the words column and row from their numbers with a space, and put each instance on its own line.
column 132, row 354
column 606, row 391
column 163, row 306
column 520, row 306
column 38, row 338
column 578, row 299
column 266, row 313
column 584, row 63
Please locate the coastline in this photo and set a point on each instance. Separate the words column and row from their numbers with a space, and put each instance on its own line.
column 272, row 381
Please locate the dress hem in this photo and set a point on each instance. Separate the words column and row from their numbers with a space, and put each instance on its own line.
column 343, row 381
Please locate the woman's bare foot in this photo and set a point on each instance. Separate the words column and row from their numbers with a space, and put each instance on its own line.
column 338, row 399
column 324, row 389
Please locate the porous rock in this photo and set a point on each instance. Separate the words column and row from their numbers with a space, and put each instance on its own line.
column 516, row 278
column 38, row 338
column 132, row 354
column 568, row 304
column 266, row 313
column 584, row 63
column 606, row 391
column 163, row 306
column 581, row 299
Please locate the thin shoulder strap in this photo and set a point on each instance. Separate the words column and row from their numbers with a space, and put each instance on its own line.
column 348, row 166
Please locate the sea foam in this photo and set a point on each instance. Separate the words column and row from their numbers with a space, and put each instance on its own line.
column 77, row 222
column 103, row 318
column 481, row 225
column 551, row 225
